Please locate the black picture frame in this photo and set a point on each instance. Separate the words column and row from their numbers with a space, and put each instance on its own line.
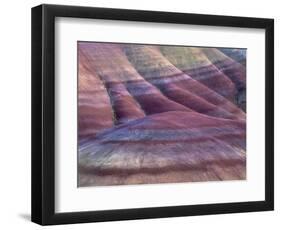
column 43, row 114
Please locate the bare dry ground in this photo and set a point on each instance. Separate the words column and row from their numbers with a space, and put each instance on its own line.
column 160, row 114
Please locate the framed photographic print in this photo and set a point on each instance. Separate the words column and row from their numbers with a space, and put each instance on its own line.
column 142, row 114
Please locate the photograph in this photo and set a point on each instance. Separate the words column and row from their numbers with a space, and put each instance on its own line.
column 141, row 114
column 160, row 113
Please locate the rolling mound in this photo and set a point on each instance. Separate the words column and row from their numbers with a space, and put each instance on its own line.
column 95, row 110
column 196, row 64
column 155, row 148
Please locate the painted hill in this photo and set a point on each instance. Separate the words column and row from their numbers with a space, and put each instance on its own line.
column 166, row 147
column 153, row 114
column 196, row 64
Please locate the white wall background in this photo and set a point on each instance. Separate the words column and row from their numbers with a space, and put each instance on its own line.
column 15, row 114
